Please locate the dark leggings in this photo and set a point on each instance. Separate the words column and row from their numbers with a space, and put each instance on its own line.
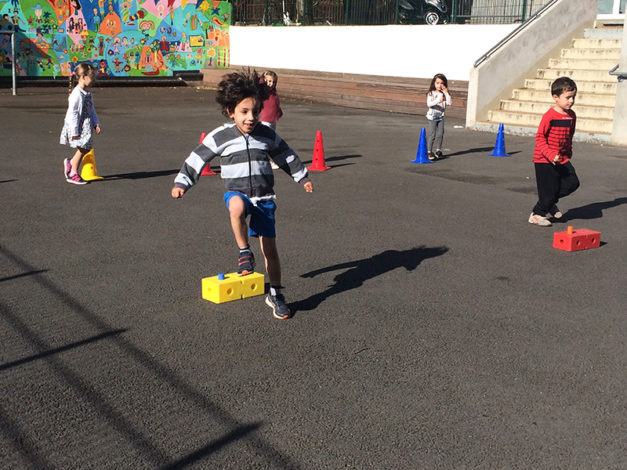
column 554, row 182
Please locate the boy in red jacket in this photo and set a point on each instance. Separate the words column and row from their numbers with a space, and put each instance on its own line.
column 555, row 174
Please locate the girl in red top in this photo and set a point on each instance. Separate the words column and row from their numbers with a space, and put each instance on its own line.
column 555, row 174
column 271, row 111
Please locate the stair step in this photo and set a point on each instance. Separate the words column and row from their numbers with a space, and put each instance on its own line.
column 584, row 111
column 583, row 98
column 582, row 64
column 577, row 74
column 591, row 54
column 588, row 63
column 593, row 126
column 590, row 43
column 603, row 33
column 544, row 85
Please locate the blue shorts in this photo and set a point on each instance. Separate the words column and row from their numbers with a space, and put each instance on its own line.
column 261, row 215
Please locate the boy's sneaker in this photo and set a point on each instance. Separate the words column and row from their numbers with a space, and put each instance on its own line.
column 75, row 179
column 539, row 220
column 280, row 309
column 67, row 167
column 439, row 155
column 431, row 156
column 555, row 212
column 245, row 263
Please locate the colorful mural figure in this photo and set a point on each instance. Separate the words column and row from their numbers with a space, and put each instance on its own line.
column 121, row 38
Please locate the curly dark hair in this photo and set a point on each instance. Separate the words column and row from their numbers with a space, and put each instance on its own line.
column 237, row 86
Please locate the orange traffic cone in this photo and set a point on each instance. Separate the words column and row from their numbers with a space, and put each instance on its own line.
column 317, row 162
column 207, row 169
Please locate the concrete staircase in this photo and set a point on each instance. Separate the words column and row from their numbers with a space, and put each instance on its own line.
column 587, row 62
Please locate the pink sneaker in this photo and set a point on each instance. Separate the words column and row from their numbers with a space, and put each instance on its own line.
column 67, row 167
column 75, row 179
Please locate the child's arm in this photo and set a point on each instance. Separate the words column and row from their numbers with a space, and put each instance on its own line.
column 193, row 165
column 94, row 116
column 284, row 156
column 446, row 96
column 278, row 107
column 433, row 99
column 74, row 111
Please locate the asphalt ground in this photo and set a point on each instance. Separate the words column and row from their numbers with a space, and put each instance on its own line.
column 433, row 328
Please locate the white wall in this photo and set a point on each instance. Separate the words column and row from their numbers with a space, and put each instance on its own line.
column 418, row 51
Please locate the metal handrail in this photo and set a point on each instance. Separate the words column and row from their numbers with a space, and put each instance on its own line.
column 507, row 38
column 621, row 75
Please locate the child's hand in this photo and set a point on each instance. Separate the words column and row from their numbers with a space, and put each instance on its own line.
column 97, row 129
column 308, row 186
column 444, row 89
column 556, row 159
column 177, row 192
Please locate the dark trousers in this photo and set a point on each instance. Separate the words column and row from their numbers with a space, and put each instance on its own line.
column 435, row 134
column 554, row 182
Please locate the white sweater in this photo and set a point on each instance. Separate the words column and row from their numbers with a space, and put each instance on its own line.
column 436, row 106
column 79, row 107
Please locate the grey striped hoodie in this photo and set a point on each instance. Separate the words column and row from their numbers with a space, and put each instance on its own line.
column 244, row 162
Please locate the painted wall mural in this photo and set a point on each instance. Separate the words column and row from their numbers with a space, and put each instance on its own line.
column 121, row 38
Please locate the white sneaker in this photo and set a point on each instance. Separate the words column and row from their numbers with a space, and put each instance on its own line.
column 555, row 212
column 539, row 220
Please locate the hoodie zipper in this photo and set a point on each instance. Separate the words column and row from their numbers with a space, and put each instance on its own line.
column 250, row 168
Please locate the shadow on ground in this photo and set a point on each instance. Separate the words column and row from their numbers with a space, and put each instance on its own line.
column 138, row 175
column 360, row 271
column 307, row 163
column 594, row 210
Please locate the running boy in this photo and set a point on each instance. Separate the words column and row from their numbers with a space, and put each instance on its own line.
column 245, row 149
column 555, row 175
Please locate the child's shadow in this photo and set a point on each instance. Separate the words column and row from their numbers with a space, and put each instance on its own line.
column 138, row 175
column 364, row 269
column 594, row 210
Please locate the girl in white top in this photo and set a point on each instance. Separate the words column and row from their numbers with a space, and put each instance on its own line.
column 438, row 99
column 80, row 121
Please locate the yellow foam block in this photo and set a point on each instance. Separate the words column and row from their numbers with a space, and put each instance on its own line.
column 222, row 290
column 252, row 285
column 232, row 287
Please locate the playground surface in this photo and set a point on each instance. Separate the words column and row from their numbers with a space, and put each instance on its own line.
column 433, row 327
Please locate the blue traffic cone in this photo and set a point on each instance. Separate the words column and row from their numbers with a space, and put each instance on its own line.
column 421, row 154
column 499, row 146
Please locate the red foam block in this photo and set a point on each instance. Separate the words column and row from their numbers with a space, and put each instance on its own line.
column 580, row 239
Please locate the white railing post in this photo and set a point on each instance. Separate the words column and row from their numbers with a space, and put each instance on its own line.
column 619, row 131
column 13, row 78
